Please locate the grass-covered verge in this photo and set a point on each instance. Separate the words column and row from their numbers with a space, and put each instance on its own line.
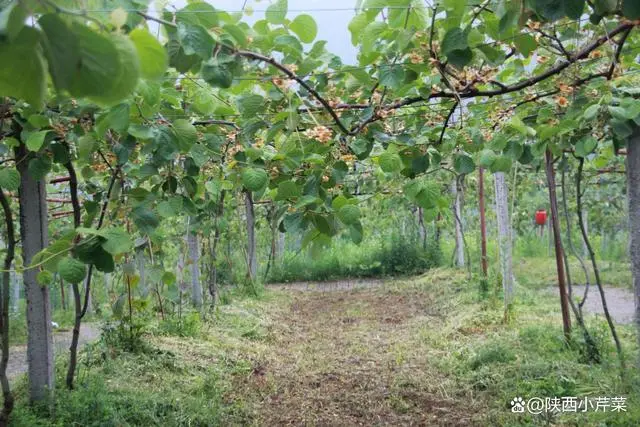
column 375, row 257
column 424, row 351
column 541, row 272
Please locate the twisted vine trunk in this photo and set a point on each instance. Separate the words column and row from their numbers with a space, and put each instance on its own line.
column 483, row 224
column 194, row 258
column 457, row 212
column 34, row 237
column 213, row 281
column 633, row 192
column 4, row 311
column 252, row 260
column 504, row 239
column 555, row 222
column 596, row 270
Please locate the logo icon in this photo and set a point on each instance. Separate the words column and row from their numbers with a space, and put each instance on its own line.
column 517, row 405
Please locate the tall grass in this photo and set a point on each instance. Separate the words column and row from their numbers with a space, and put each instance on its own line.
column 392, row 256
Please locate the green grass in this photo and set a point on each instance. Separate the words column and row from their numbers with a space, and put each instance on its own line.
column 376, row 257
column 434, row 339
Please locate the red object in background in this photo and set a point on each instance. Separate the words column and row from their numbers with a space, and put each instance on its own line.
column 541, row 217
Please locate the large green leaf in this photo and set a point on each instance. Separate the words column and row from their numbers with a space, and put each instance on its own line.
column 585, row 146
column 72, row 270
column 145, row 219
column 22, row 72
column 254, row 179
column 216, row 73
column 250, row 105
column 152, row 55
column 287, row 190
column 118, row 241
column 455, row 46
column 9, row 179
column 277, row 12
column 305, row 28
column 631, row 9
column 349, row 214
column 392, row 76
column 463, row 164
column 186, row 133
column 12, row 19
column 390, row 162
column 36, row 139
column 196, row 40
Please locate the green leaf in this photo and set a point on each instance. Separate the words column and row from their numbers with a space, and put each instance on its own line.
column 502, row 164
column 287, row 190
column 145, row 219
column 186, row 133
column 44, row 278
column 35, row 140
column 349, row 214
column 390, row 162
column 277, row 12
column 631, row 9
column 463, row 164
column 196, row 40
column 250, row 105
column 22, row 72
column 39, row 167
column 526, row 44
column 116, row 118
column 455, row 46
column 199, row 13
column 12, row 19
column 152, row 55
column 392, row 76
column 573, row 8
column 72, row 270
column 585, row 146
column 487, row 157
column 129, row 72
column 216, row 73
column 305, row 28
column 118, row 241
column 254, row 179
column 9, row 179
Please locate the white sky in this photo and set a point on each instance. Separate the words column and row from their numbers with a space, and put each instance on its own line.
column 332, row 24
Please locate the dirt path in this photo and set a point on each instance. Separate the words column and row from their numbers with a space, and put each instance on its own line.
column 61, row 339
column 349, row 358
column 620, row 302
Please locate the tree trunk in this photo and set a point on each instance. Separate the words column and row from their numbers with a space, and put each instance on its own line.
column 633, row 191
column 34, row 236
column 252, row 261
column 422, row 230
column 194, row 258
column 504, row 238
column 142, row 284
column 457, row 212
column 483, row 224
column 555, row 222
column 280, row 244
column 15, row 285
column 4, row 311
column 213, row 281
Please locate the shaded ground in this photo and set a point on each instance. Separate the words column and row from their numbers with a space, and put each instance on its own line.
column 620, row 302
column 62, row 341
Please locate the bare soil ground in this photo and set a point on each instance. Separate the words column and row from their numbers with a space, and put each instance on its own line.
column 347, row 358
